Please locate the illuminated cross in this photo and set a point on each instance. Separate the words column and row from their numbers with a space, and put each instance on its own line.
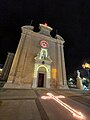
column 70, row 109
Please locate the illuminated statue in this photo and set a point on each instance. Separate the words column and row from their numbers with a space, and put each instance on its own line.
column 78, row 74
column 43, row 54
column 79, row 81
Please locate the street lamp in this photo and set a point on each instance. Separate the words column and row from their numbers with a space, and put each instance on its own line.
column 87, row 67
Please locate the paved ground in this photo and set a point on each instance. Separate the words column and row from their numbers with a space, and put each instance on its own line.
column 17, row 104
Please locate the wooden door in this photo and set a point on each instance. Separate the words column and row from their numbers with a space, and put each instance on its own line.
column 41, row 80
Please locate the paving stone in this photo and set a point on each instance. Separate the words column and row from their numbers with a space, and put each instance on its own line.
column 19, row 110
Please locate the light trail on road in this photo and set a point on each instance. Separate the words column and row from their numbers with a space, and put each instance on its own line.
column 74, row 112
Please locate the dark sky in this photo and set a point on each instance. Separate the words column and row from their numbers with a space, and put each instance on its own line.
column 70, row 17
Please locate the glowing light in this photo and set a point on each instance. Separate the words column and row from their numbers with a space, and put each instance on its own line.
column 70, row 109
column 0, row 70
column 44, row 44
column 54, row 73
column 45, row 24
column 86, row 65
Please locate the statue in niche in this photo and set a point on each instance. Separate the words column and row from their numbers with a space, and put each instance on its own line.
column 43, row 54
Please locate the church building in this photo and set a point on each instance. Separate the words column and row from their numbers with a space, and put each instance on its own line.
column 38, row 61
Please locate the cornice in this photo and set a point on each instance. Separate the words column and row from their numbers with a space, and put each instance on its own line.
column 28, row 30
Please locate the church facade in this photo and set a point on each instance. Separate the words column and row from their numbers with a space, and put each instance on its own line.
column 39, row 60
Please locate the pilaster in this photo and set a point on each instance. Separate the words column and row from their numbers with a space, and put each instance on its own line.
column 15, row 63
column 63, row 66
column 60, row 82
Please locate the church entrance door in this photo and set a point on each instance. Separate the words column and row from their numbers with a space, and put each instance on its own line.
column 41, row 80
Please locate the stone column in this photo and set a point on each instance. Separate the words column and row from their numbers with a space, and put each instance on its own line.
column 61, row 62
column 34, row 84
column 63, row 65
column 48, row 77
column 60, row 82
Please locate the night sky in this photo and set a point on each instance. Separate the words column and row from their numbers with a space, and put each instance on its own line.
column 71, row 18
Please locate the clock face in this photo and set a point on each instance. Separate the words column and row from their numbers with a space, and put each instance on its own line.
column 44, row 44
